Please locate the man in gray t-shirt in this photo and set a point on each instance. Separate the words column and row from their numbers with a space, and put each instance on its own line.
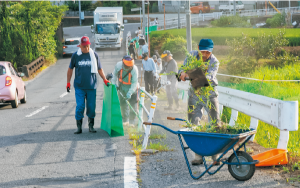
column 170, row 68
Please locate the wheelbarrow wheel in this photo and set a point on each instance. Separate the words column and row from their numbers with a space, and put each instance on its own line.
column 241, row 172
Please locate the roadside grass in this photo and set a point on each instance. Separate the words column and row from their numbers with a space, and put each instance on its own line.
column 267, row 135
column 157, row 136
column 219, row 35
column 158, row 146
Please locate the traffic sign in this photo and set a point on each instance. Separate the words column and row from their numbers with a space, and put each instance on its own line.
column 136, row 9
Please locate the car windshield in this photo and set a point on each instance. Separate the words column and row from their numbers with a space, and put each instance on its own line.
column 2, row 70
column 107, row 28
column 205, row 4
column 72, row 42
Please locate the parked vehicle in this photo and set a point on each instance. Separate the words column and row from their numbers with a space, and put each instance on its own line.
column 108, row 27
column 71, row 45
column 238, row 6
column 200, row 7
column 12, row 87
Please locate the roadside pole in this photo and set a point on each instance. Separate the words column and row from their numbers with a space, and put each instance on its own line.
column 144, row 23
column 164, row 16
column 188, row 27
column 234, row 7
column 179, row 14
column 148, row 30
column 79, row 12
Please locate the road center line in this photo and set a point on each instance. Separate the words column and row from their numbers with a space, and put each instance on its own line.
column 130, row 173
column 64, row 94
column 37, row 111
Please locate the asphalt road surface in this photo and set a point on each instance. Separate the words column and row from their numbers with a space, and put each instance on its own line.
column 38, row 147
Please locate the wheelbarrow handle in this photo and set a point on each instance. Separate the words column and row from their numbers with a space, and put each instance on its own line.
column 166, row 128
column 147, row 123
column 172, row 118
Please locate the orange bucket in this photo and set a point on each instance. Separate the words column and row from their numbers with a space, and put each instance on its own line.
column 272, row 157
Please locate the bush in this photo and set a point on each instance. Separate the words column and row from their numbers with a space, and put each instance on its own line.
column 241, row 65
column 231, row 21
column 276, row 21
column 177, row 47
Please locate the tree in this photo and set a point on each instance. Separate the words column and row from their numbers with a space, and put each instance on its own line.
column 85, row 5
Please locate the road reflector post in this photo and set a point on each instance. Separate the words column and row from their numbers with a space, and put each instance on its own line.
column 111, row 120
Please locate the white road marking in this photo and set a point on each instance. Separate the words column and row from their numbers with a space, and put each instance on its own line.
column 37, row 111
column 130, row 173
column 64, row 94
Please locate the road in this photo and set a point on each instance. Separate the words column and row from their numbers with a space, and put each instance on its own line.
column 38, row 147
column 41, row 150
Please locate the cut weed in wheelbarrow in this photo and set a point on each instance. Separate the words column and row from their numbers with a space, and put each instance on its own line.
column 240, row 164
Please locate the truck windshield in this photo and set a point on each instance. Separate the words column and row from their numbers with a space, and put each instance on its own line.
column 107, row 28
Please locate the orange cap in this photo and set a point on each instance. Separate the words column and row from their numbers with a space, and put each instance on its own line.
column 128, row 63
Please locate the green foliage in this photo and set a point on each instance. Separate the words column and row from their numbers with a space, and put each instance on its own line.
column 110, row 3
column 276, row 21
column 220, row 35
column 29, row 30
column 231, row 21
column 279, row 90
column 97, row 4
column 177, row 47
column 74, row 6
column 127, row 5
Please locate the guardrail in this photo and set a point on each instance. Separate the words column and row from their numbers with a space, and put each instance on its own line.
column 280, row 114
column 173, row 23
column 33, row 66
column 128, row 39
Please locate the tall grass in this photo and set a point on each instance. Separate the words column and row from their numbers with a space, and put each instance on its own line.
column 220, row 34
column 267, row 135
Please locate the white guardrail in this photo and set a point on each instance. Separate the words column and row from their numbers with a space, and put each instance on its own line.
column 280, row 114
column 196, row 21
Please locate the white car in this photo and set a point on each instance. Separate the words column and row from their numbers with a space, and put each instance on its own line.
column 71, row 46
column 238, row 6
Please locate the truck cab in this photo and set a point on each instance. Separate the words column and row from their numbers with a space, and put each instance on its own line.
column 108, row 27
column 200, row 7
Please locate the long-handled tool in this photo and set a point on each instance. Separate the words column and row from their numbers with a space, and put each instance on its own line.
column 130, row 106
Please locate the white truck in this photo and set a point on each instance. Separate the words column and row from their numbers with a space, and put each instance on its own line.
column 108, row 27
column 238, row 6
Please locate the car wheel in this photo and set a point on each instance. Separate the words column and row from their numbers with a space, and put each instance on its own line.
column 24, row 100
column 119, row 48
column 15, row 103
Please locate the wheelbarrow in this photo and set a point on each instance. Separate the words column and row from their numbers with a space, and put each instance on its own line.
column 240, row 164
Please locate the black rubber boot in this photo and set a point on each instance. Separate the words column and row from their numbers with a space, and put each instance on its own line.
column 91, row 125
column 79, row 127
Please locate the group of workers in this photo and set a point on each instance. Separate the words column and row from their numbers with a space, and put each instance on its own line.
column 125, row 77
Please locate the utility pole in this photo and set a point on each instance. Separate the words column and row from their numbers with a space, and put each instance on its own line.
column 144, row 18
column 148, row 33
column 79, row 13
column 164, row 16
column 234, row 7
column 179, row 14
column 188, row 27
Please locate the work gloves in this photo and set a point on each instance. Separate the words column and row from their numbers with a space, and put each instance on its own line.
column 128, row 95
column 68, row 87
column 106, row 82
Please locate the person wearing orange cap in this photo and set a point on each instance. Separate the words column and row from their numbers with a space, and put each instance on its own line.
column 125, row 77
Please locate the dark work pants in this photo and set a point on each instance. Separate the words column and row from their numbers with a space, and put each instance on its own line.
column 197, row 106
column 131, row 51
column 149, row 81
column 127, row 113
column 172, row 93
column 197, row 113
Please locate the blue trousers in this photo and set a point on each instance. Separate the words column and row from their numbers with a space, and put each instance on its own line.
column 82, row 95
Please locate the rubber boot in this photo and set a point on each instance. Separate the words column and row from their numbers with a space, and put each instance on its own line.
column 197, row 160
column 91, row 125
column 79, row 127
